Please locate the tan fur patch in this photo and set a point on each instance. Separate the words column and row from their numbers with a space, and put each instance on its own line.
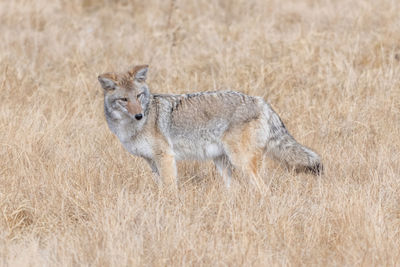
column 134, row 107
column 244, row 152
column 132, row 72
column 121, row 79
column 168, row 168
column 110, row 75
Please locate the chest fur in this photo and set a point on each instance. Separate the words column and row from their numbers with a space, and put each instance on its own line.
column 136, row 143
column 139, row 146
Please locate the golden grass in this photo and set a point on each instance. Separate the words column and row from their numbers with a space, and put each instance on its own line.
column 71, row 195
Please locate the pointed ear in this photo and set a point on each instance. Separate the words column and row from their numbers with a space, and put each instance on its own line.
column 107, row 81
column 139, row 73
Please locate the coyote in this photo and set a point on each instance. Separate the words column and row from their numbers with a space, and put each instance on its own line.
column 231, row 128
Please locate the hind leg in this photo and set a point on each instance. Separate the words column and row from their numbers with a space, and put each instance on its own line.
column 249, row 162
column 224, row 168
column 245, row 151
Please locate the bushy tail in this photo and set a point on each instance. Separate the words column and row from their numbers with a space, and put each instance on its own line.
column 291, row 153
column 284, row 148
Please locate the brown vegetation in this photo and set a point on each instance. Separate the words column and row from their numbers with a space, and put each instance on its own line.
column 71, row 195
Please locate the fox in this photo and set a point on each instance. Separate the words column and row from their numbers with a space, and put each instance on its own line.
column 232, row 129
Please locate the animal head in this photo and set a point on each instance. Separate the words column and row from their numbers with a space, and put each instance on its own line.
column 126, row 93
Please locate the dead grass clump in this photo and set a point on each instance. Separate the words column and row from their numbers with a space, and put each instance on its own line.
column 71, row 195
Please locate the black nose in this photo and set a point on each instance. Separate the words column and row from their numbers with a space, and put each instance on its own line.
column 138, row 116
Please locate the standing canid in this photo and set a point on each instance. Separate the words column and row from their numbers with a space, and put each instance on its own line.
column 231, row 128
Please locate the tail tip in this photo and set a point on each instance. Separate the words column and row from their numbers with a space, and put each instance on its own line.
column 316, row 169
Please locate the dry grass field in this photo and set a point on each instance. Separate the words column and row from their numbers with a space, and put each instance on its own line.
column 70, row 195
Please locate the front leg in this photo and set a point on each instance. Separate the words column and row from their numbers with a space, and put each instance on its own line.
column 224, row 168
column 165, row 163
column 154, row 169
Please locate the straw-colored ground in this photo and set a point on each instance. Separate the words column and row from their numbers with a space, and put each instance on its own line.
column 71, row 195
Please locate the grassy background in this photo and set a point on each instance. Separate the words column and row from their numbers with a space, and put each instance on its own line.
column 71, row 195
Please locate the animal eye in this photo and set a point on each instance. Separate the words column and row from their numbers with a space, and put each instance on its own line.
column 124, row 99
